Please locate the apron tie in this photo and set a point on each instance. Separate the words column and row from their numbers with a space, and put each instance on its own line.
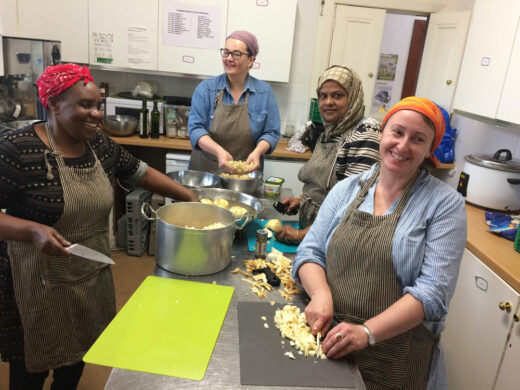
column 54, row 154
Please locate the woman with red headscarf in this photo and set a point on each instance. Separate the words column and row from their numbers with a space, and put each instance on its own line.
column 56, row 189
column 381, row 260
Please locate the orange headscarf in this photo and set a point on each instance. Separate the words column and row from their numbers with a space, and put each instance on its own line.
column 427, row 108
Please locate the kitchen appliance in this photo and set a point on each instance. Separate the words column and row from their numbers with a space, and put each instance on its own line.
column 183, row 246
column 491, row 181
column 167, row 327
column 125, row 106
column 24, row 62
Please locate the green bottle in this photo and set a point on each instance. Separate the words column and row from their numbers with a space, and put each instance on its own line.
column 156, row 117
column 143, row 121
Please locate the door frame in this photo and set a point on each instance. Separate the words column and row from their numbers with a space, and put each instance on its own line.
column 327, row 16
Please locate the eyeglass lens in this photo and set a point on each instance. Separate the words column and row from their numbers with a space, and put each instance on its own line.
column 235, row 54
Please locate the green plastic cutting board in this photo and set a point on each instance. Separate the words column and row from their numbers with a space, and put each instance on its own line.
column 167, row 327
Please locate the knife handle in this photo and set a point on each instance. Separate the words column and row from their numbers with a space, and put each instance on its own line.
column 272, row 279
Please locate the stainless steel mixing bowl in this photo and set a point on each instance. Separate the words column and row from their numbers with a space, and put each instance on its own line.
column 120, row 125
column 249, row 186
column 195, row 179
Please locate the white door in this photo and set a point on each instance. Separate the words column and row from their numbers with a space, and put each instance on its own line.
column 442, row 56
column 509, row 374
column 476, row 329
column 356, row 43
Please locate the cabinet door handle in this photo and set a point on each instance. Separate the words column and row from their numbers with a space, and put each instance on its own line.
column 370, row 74
column 516, row 317
column 448, row 82
column 505, row 306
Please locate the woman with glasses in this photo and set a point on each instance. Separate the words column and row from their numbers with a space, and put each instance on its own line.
column 233, row 116
column 348, row 145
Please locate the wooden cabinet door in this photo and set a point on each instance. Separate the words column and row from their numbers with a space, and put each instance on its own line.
column 509, row 108
column 442, row 56
column 260, row 17
column 486, row 57
column 509, row 374
column 123, row 33
column 476, row 329
column 57, row 20
column 195, row 57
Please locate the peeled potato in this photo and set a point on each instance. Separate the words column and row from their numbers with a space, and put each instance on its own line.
column 206, row 201
column 273, row 225
column 221, row 202
column 238, row 211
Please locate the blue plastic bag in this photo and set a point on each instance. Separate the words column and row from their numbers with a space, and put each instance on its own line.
column 501, row 224
column 445, row 153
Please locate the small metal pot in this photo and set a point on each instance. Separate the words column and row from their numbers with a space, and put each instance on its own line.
column 249, row 186
column 188, row 251
column 195, row 179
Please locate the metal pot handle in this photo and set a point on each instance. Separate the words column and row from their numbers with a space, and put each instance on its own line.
column 497, row 154
column 248, row 218
column 513, row 181
column 145, row 206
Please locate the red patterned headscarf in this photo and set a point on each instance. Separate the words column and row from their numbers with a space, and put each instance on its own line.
column 428, row 109
column 58, row 78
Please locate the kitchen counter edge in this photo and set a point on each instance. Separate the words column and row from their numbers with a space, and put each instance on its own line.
column 493, row 250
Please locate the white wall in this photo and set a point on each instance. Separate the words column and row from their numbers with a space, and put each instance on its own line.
column 292, row 97
column 397, row 35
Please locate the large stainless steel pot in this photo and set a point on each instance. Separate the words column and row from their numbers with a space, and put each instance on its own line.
column 188, row 251
column 491, row 181
column 253, row 205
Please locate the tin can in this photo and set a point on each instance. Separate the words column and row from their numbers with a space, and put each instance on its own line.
column 261, row 243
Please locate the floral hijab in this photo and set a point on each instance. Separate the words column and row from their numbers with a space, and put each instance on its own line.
column 351, row 82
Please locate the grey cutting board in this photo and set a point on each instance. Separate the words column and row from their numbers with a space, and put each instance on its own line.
column 262, row 359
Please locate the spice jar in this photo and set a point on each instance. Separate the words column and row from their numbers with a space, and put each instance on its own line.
column 261, row 243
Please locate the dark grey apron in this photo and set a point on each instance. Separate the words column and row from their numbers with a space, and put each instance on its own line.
column 65, row 303
column 363, row 283
column 317, row 176
column 231, row 129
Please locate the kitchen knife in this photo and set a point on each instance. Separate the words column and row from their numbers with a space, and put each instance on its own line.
column 87, row 253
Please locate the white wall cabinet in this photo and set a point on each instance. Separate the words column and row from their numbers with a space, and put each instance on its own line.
column 486, row 59
column 123, row 33
column 272, row 22
column 509, row 375
column 508, row 109
column 58, row 20
column 477, row 329
column 188, row 59
column 8, row 18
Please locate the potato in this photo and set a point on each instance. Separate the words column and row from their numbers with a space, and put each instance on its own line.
column 221, row 202
column 206, row 201
column 273, row 225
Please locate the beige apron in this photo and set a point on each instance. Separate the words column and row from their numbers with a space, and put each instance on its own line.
column 318, row 177
column 231, row 129
column 65, row 303
column 363, row 283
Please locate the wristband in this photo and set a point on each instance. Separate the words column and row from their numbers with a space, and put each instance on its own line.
column 371, row 338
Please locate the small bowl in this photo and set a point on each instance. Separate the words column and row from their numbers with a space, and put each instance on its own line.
column 243, row 185
column 120, row 125
column 195, row 179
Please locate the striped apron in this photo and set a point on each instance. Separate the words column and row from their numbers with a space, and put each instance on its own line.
column 231, row 129
column 363, row 283
column 65, row 303
column 318, row 177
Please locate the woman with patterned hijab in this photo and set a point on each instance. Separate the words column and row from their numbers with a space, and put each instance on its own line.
column 381, row 260
column 56, row 188
column 348, row 145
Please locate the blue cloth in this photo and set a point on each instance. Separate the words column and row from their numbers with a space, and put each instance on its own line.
column 427, row 246
column 264, row 116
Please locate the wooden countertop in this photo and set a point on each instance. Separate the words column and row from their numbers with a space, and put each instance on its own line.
column 495, row 251
column 184, row 144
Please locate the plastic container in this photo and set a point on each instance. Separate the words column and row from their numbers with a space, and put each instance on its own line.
column 273, row 186
column 176, row 119
column 314, row 114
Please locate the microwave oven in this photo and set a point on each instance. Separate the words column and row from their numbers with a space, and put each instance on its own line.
column 122, row 106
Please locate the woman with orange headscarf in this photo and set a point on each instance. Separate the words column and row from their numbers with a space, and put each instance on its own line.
column 381, row 260
column 56, row 188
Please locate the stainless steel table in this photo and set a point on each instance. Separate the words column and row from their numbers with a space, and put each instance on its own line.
column 223, row 371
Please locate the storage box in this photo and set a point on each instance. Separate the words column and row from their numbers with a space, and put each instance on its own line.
column 176, row 118
column 273, row 186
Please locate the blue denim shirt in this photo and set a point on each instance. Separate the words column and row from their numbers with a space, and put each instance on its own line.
column 264, row 116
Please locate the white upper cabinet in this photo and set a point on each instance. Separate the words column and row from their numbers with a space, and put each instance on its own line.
column 486, row 57
column 190, row 34
column 8, row 18
column 123, row 33
column 272, row 22
column 509, row 109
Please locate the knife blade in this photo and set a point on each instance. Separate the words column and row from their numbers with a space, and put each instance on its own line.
column 90, row 254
